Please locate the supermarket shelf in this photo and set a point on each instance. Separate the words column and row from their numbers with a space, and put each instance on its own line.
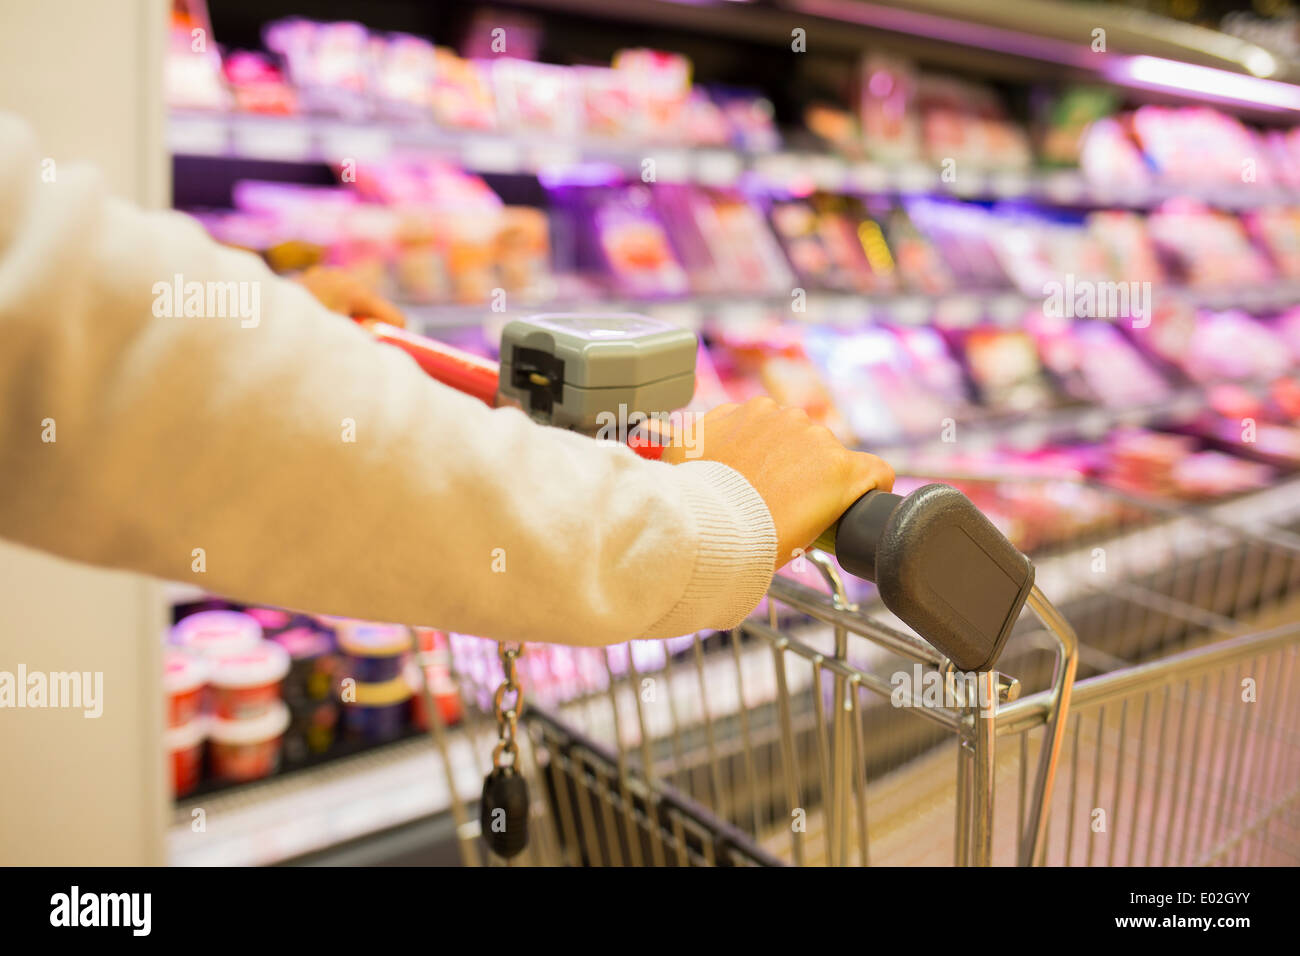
column 309, row 810
column 329, row 140
column 955, row 310
column 326, row 140
column 799, row 171
column 1029, row 430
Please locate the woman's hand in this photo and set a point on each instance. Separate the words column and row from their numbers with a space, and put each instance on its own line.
column 801, row 470
column 343, row 293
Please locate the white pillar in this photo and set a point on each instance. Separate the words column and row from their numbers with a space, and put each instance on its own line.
column 88, row 75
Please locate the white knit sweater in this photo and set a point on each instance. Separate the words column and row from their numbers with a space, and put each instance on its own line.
column 213, row 450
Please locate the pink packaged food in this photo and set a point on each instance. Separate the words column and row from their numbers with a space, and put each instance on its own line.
column 1233, row 345
column 535, row 97
column 216, row 633
column 1096, row 363
column 886, row 111
column 246, row 684
column 404, row 71
column 184, row 676
column 185, row 751
column 248, row 749
column 273, row 619
column 1110, row 158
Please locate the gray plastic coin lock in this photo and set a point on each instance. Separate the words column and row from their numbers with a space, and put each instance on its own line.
column 578, row 371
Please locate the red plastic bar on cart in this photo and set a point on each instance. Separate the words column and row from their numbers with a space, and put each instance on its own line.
column 468, row 373
column 462, row 370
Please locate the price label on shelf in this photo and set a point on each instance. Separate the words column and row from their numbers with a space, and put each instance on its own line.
column 915, row 178
column 285, row 140
column 552, row 154
column 671, row 165
column 819, row 309
column 841, row 310
column 868, row 178
column 686, row 314
column 967, row 182
column 1009, row 182
column 826, row 172
column 288, row 837
column 739, row 314
column 491, row 154
column 975, row 439
column 957, row 311
column 362, row 143
column 1027, row 435
column 909, row 310
column 778, row 169
column 1064, row 187
column 197, row 136
column 1007, row 309
column 851, row 310
column 717, row 167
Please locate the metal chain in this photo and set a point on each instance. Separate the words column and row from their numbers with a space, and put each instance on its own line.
column 508, row 716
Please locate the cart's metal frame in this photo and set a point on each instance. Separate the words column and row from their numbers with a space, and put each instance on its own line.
column 634, row 763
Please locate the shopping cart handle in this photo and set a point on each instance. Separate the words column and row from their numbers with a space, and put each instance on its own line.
column 940, row 565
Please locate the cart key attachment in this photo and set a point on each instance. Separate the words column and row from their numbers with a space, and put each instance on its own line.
column 575, row 371
column 503, row 817
column 941, row 567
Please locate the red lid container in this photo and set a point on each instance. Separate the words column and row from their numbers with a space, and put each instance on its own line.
column 246, row 684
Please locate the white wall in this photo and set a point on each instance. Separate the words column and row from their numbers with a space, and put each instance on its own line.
column 88, row 75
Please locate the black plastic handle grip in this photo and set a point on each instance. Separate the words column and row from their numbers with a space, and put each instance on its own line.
column 940, row 565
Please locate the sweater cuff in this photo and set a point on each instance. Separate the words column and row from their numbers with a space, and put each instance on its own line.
column 735, row 550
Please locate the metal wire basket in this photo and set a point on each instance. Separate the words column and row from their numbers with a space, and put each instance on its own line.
column 825, row 732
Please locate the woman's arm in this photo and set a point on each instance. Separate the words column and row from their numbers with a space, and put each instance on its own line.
column 264, row 448
column 297, row 463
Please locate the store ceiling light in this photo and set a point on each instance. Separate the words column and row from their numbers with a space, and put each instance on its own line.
column 1153, row 72
column 1048, row 36
column 965, row 32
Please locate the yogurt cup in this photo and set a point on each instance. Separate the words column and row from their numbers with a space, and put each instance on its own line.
column 373, row 652
column 441, row 689
column 308, row 691
column 248, row 749
column 246, row 684
column 185, row 752
column 216, row 633
column 380, row 710
column 184, row 677
column 272, row 620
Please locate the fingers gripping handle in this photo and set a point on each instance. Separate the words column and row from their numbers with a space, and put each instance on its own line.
column 940, row 565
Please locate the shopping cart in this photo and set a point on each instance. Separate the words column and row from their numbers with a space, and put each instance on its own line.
column 826, row 731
